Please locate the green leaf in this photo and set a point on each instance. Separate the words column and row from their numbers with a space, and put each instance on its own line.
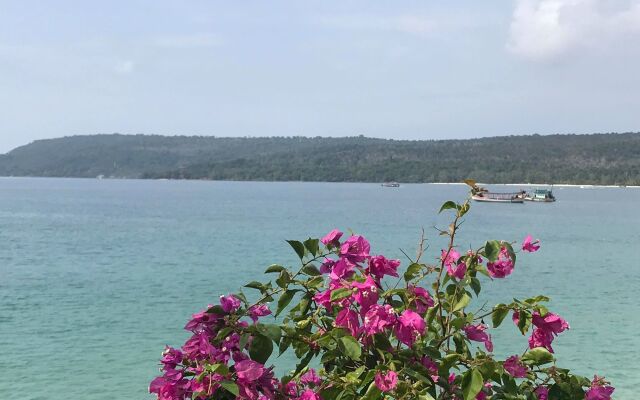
column 244, row 339
column 524, row 321
column 412, row 271
column 284, row 279
column 284, row 300
column 261, row 348
column 312, row 245
column 471, row 384
column 311, row 270
column 350, row 347
column 372, row 393
column 271, row 331
column 274, row 268
column 537, row 356
column 462, row 303
column 512, row 253
column 298, row 247
column 449, row 205
column 231, row 387
column 492, row 249
column 255, row 285
column 341, row 293
column 500, row 311
column 475, row 285
column 464, row 208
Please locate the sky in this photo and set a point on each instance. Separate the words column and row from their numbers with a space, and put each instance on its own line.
column 391, row 69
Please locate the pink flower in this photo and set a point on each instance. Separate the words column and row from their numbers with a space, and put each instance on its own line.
column 291, row 388
column 257, row 311
column 457, row 271
column 309, row 395
column 327, row 265
column 202, row 321
column 550, row 322
column 355, row 249
column 229, row 303
column 432, row 367
column 249, row 370
column 198, row 347
column 171, row 358
column 515, row 368
column 423, row 299
column 409, row 327
column 378, row 318
column 170, row 386
column 547, row 328
column 342, row 269
column 451, row 258
column 502, row 267
column 483, row 394
column 348, row 319
column 379, row 266
column 599, row 390
column 332, row 238
column 529, row 245
column 541, row 338
column 366, row 293
column 323, row 298
column 477, row 333
column 310, row 377
column 542, row 393
column 386, row 382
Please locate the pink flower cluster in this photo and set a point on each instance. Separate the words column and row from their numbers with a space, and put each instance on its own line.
column 477, row 333
column 254, row 381
column 599, row 390
column 216, row 358
column 360, row 273
column 515, row 367
column 545, row 329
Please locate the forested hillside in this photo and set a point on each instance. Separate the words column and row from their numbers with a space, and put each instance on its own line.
column 579, row 159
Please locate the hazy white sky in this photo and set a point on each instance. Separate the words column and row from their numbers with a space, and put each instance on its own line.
column 401, row 69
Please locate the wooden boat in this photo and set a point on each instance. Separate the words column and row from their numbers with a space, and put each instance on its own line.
column 391, row 184
column 541, row 195
column 491, row 197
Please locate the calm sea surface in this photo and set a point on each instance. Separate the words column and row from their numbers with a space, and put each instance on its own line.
column 96, row 276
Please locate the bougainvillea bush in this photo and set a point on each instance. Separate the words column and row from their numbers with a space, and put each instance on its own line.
column 361, row 331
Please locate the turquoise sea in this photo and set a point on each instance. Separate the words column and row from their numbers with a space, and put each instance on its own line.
column 96, row 276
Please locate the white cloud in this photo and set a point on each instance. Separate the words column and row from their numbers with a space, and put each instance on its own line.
column 548, row 29
column 409, row 24
column 125, row 67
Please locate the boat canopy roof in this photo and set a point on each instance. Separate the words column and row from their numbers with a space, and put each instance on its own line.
column 542, row 191
column 499, row 196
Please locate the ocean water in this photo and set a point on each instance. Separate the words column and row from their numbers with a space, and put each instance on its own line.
column 96, row 276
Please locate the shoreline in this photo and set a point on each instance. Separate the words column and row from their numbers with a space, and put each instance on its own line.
column 569, row 185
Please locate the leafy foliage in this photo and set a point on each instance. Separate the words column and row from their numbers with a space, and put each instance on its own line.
column 373, row 334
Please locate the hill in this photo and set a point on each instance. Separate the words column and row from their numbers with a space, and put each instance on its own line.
column 579, row 159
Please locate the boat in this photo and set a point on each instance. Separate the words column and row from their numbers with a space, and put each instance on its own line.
column 491, row 197
column 478, row 193
column 390, row 184
column 541, row 195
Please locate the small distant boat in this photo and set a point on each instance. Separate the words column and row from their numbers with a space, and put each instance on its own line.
column 491, row 197
column 541, row 195
column 391, row 184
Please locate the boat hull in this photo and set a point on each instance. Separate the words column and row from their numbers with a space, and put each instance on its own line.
column 540, row 200
column 489, row 200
